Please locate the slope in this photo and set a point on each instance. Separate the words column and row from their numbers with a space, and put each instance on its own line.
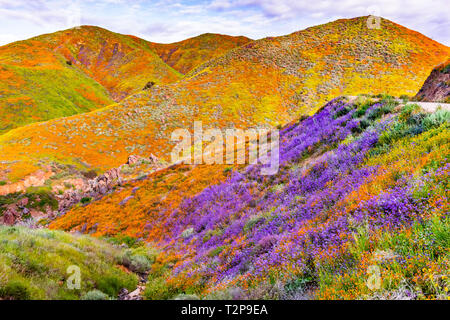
column 185, row 55
column 360, row 184
column 67, row 72
column 37, row 85
column 39, row 264
column 265, row 83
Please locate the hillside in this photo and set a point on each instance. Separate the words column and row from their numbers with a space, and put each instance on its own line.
column 266, row 83
column 40, row 265
column 73, row 71
column 362, row 184
column 185, row 55
column 437, row 86
column 38, row 85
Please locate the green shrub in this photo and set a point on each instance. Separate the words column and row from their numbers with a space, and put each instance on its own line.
column 446, row 69
column 228, row 169
column 159, row 289
column 15, row 290
column 41, row 197
column 342, row 112
column 186, row 297
column 251, row 222
column 216, row 251
column 405, row 98
column 121, row 239
column 187, row 233
column 137, row 260
column 95, row 295
column 85, row 200
column 362, row 108
column 440, row 228
column 111, row 285
column 436, row 118
column 363, row 125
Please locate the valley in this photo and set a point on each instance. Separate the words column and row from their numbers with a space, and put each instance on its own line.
column 87, row 180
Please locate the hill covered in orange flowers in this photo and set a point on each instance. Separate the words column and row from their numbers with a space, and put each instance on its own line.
column 185, row 55
column 265, row 82
column 73, row 71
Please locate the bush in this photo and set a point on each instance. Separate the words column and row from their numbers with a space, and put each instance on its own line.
column 216, row 251
column 85, row 200
column 111, row 285
column 363, row 125
column 251, row 222
column 186, row 297
column 159, row 289
column 405, row 98
column 446, row 69
column 187, row 233
column 435, row 119
column 15, row 290
column 362, row 108
column 342, row 112
column 136, row 262
column 41, row 197
column 95, row 295
column 385, row 108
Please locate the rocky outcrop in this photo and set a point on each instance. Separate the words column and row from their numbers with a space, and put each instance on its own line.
column 84, row 190
column 17, row 212
column 152, row 160
column 93, row 189
column 11, row 215
column 437, row 86
column 98, row 187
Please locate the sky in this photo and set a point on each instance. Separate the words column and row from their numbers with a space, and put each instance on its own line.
column 168, row 21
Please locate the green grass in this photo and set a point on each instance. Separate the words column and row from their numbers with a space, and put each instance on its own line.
column 412, row 121
column 34, row 265
column 53, row 93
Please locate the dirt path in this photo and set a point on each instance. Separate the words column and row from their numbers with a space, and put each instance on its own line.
column 432, row 106
column 427, row 106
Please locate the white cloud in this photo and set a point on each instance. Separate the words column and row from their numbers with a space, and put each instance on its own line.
column 6, row 38
column 174, row 20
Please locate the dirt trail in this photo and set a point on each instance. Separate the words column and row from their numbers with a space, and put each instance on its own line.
column 432, row 106
column 427, row 106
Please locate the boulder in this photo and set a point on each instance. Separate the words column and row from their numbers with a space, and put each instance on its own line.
column 8, row 218
column 134, row 159
column 149, row 85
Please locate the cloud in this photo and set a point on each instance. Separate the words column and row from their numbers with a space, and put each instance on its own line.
column 415, row 14
column 174, row 20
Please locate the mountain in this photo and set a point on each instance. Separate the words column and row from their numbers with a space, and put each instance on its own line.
column 363, row 183
column 122, row 64
column 185, row 55
column 266, row 82
column 73, row 71
column 437, row 86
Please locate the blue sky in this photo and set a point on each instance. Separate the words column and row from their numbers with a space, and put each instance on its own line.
column 175, row 20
